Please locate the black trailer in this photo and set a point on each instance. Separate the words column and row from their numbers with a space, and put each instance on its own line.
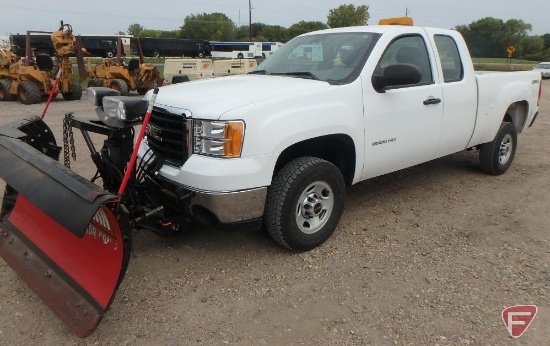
column 101, row 46
column 155, row 47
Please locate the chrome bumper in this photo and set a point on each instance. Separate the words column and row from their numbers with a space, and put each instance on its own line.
column 232, row 207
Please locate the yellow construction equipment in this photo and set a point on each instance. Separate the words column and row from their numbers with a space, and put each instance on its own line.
column 115, row 74
column 32, row 78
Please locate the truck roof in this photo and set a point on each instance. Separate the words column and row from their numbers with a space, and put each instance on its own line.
column 381, row 29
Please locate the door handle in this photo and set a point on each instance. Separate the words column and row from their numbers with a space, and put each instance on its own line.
column 432, row 101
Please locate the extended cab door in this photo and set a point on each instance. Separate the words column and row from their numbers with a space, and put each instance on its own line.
column 402, row 124
column 459, row 90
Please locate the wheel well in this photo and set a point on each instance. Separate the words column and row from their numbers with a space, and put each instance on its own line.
column 517, row 115
column 336, row 149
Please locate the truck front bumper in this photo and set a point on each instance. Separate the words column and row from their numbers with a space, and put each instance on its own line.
column 229, row 207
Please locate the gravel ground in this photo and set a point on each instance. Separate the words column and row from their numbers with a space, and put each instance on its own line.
column 428, row 255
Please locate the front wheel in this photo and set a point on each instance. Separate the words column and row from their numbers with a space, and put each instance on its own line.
column 304, row 203
column 496, row 157
column 75, row 92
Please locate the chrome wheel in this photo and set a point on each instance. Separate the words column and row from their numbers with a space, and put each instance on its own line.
column 314, row 207
column 505, row 151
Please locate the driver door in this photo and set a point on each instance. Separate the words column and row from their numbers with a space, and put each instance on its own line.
column 403, row 124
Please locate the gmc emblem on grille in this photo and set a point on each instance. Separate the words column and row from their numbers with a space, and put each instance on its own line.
column 154, row 132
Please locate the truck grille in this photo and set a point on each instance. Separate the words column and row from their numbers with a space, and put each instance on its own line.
column 168, row 136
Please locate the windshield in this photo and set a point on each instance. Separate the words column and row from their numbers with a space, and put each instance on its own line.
column 543, row 66
column 330, row 57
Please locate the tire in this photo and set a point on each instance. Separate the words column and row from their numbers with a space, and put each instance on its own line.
column 180, row 79
column 75, row 93
column 94, row 83
column 109, row 55
column 29, row 92
column 240, row 56
column 120, row 85
column 5, row 94
column 496, row 157
column 304, row 203
column 143, row 91
column 156, row 54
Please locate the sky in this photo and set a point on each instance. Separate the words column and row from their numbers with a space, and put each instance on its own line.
column 101, row 17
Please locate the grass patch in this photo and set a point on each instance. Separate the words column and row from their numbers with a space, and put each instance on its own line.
column 503, row 61
column 502, row 67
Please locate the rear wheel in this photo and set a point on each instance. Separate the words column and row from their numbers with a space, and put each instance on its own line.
column 75, row 93
column 304, row 203
column 120, row 85
column 5, row 94
column 240, row 56
column 29, row 92
column 94, row 83
column 156, row 53
column 496, row 157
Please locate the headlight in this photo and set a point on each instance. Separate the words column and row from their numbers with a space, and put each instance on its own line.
column 120, row 109
column 218, row 138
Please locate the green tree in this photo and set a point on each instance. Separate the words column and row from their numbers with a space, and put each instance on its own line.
column 135, row 29
column 348, row 15
column 546, row 38
column 533, row 48
column 149, row 33
column 274, row 33
column 241, row 33
column 303, row 27
column 489, row 37
column 208, row 26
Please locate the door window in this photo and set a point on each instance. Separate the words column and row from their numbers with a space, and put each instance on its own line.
column 408, row 50
column 450, row 58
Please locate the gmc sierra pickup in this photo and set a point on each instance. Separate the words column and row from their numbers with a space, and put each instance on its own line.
column 327, row 110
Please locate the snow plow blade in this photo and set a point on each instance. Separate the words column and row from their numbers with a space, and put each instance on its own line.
column 64, row 236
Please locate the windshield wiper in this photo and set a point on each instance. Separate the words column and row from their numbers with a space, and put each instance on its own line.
column 258, row 72
column 298, row 74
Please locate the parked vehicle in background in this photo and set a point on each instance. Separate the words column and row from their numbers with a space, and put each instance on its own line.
column 173, row 47
column 185, row 70
column 544, row 69
column 101, row 46
column 269, row 47
column 36, row 76
column 236, row 50
column 115, row 74
column 233, row 66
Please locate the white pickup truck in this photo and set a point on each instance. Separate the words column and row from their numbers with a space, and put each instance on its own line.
column 327, row 110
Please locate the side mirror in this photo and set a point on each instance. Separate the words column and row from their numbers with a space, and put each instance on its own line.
column 396, row 75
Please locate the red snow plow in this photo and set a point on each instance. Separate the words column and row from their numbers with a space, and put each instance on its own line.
column 68, row 238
